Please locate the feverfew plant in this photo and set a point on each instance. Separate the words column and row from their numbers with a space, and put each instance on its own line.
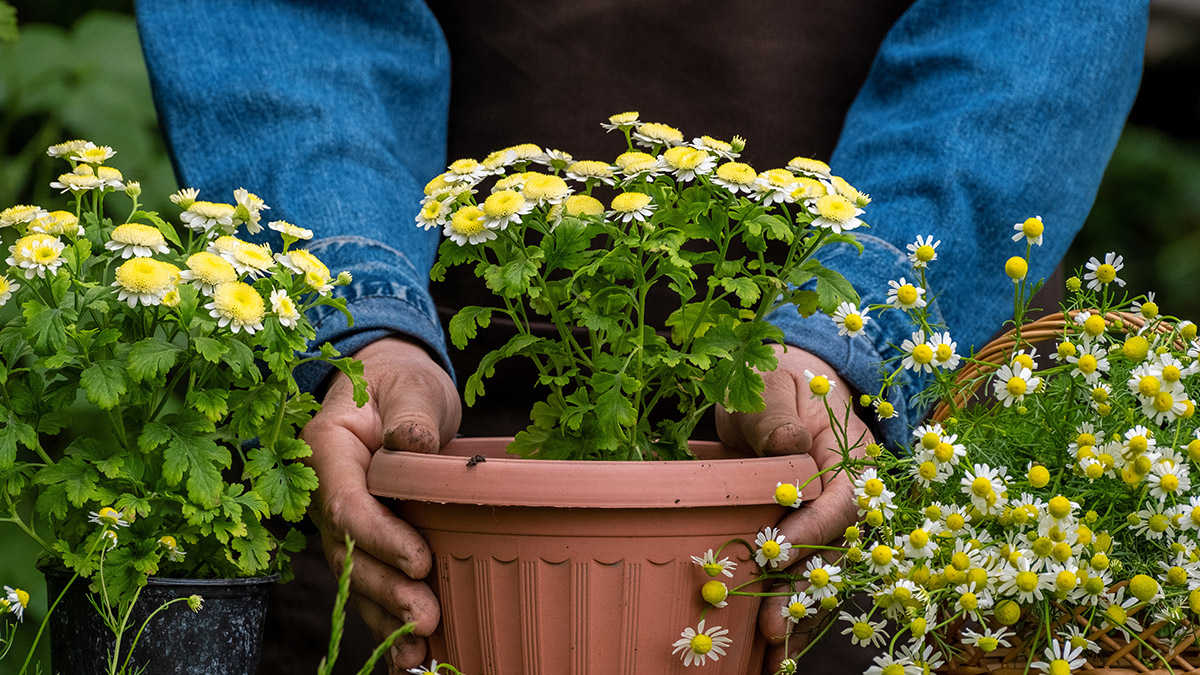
column 145, row 359
column 581, row 244
column 1051, row 525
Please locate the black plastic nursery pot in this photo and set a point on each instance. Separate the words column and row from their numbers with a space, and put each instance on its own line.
column 224, row 637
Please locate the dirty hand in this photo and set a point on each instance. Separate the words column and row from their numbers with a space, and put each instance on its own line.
column 794, row 422
column 413, row 406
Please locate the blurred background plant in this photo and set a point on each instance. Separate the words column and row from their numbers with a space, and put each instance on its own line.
column 73, row 69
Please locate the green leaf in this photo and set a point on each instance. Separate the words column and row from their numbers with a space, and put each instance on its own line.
column 832, row 289
column 463, row 324
column 45, row 326
column 167, row 229
column 15, row 431
column 745, row 289
column 151, row 358
column 805, row 302
column 214, row 403
column 209, row 349
column 696, row 319
column 353, row 369
column 612, row 405
column 153, row 435
column 254, row 549
column 76, row 478
column 512, row 279
column 104, row 382
column 287, row 489
column 191, row 451
column 240, row 358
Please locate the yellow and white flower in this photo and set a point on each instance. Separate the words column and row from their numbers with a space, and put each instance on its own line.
column 293, row 231
column 923, row 251
column 863, row 631
column 249, row 209
column 698, row 644
column 1061, row 659
column 6, row 289
column 284, row 308
column 712, row 567
column 620, row 121
column 175, row 552
column 110, row 178
column 989, row 640
column 36, row 255
column 736, row 177
column 629, row 206
column 1101, row 274
column 433, row 213
column 850, row 320
column 545, row 189
column 207, row 270
column 944, row 350
column 823, row 578
column 22, row 213
column 918, row 355
column 145, row 281
column 253, row 260
column 722, row 149
column 772, row 549
column 886, row 664
column 904, row 295
column 466, row 171
column 1091, row 361
column 108, row 517
column 1030, row 230
column 1013, row 382
column 18, row 601
column 58, row 223
column 68, row 148
column 93, row 154
column 207, row 217
column 1169, row 481
column 819, row 386
column 985, row 486
column 775, row 186
column 587, row 169
column 80, row 180
column 799, row 606
column 503, row 208
column 636, row 163
column 654, row 134
column 809, row 167
column 136, row 239
column 466, row 227
column 687, row 163
column 185, row 197
column 237, row 305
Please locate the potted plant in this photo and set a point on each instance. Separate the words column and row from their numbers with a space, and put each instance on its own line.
column 147, row 396
column 553, row 551
column 1050, row 529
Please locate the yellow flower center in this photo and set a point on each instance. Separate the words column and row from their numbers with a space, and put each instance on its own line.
column 138, row 234
column 819, row 578
column 144, row 275
column 863, row 630
column 1158, row 523
column 1039, row 476
column 628, row 202
column 1138, row 444
column 1027, row 582
column 168, row 541
column 1066, row 580
column 736, row 173
column 881, row 555
column 634, row 161
column 944, row 352
column 1171, row 373
column 540, row 187
column 1032, row 228
column 786, row 494
column 1149, row 309
column 1059, row 667
column 969, row 601
column 836, row 208
column 1094, row 471
column 1087, row 364
column 1148, row 385
column 819, row 385
column 1016, row 268
column 981, row 487
column 1042, row 546
column 853, row 322
column 714, row 592
column 770, row 549
column 1136, row 348
column 684, row 158
column 583, row 205
column 907, row 294
column 1163, row 401
column 927, row 470
column 925, row 253
column 210, row 268
column 252, row 255
column 211, row 210
column 1059, row 507
column 873, row 487
column 922, row 354
column 660, row 133
column 624, row 118
column 701, row 644
column 797, row 610
column 467, row 221
column 503, row 203
column 1116, row 614
column 918, row 538
column 239, row 302
column 1106, row 273
column 463, row 166
column 590, row 169
column 1062, row 552
column 955, row 521
column 885, row 410
column 987, row 644
column 1094, row 325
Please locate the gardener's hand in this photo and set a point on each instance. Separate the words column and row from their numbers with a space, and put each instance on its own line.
column 795, row 422
column 413, row 406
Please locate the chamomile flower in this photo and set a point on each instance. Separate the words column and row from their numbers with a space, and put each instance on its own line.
column 850, row 320
column 465, row 171
column 68, row 148
column 1013, row 382
column 542, row 188
column 736, row 177
column 1091, row 361
column 82, row 179
column 635, row 163
column 6, row 289
column 1061, row 659
column 687, row 163
column 886, row 664
column 712, row 567
column 987, row 641
column 294, row 231
column 36, row 255
column 18, row 601
column 697, row 645
column 1077, row 637
column 923, row 251
column 629, row 206
column 249, row 209
column 135, row 239
column 881, row 558
column 918, row 355
column 819, row 386
column 799, row 607
column 284, row 308
column 237, row 305
column 1148, row 309
column 422, row 670
column 985, row 487
column 93, row 154
column 772, row 548
column 175, row 552
column 108, row 517
column 823, row 578
column 654, row 134
column 789, row 494
column 836, row 212
column 1155, row 522
column 944, row 350
column 184, row 197
column 555, row 159
column 871, row 493
column 919, row 542
column 863, row 631
column 145, row 281
column 776, row 186
column 1101, row 274
column 503, row 208
column 904, row 295
column 1030, row 230
column 208, row 217
column 1115, row 609
column 1018, row 580
column 466, row 227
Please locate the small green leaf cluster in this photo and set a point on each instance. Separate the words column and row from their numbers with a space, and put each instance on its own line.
column 719, row 244
column 147, row 381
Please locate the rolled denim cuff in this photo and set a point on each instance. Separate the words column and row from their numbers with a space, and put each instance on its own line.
column 859, row 360
column 385, row 299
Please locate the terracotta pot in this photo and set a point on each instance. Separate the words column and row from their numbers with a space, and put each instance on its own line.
column 555, row 568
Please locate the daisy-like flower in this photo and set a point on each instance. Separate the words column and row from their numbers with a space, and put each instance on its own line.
column 22, row 213
column 135, row 239
column 1188, row 514
column 433, row 213
column 809, row 167
column 870, row 491
column 249, row 209
column 1030, row 230
column 850, row 320
column 799, row 606
column 1154, row 522
column 580, row 206
column 545, row 189
column 1021, row 582
column 923, row 251
column 1115, row 610
column 555, row 159
column 776, row 186
column 985, row 486
column 206, row 217
column 1090, row 362
column 652, row 134
column 823, row 578
column 68, row 148
column 928, row 659
column 1077, row 637
column 175, row 552
column 1165, row 406
column 629, row 206
column 185, row 197
column 944, row 350
column 284, row 308
column 1101, row 274
column 722, row 149
column 698, row 644
column 845, row 189
column 207, row 270
column 635, row 163
column 920, row 541
column 585, row 170
column 239, row 306
column 145, row 281
column 881, row 558
column 1061, row 659
column 465, row 171
column 58, row 223
column 252, row 260
column 108, row 517
column 1013, row 382
column 621, row 121
column 301, row 261
column 687, row 163
column 110, row 178
column 987, row 641
column 422, row 670
column 819, row 386
column 712, row 567
column 904, row 295
column 736, row 177
column 788, row 494
column 835, row 212
column 82, row 179
column 1148, row 309
column 886, row 664
column 93, row 154
column 503, row 208
column 6, row 289
column 772, row 549
column 289, row 230
column 17, row 600
column 36, row 255
column 918, row 355
column 864, row 632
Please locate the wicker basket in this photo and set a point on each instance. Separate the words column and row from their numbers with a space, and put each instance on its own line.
column 1119, row 655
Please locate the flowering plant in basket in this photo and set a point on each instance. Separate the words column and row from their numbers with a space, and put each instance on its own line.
column 581, row 243
column 1053, row 529
column 132, row 376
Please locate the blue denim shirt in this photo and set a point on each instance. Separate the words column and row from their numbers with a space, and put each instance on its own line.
column 975, row 116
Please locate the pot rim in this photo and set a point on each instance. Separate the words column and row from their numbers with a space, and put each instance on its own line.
column 720, row 477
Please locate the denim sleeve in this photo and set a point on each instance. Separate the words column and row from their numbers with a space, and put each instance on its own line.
column 974, row 116
column 334, row 114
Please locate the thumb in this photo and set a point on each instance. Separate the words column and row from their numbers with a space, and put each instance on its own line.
column 418, row 406
column 777, row 430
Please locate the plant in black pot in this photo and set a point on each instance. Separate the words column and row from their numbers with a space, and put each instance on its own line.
column 146, row 364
